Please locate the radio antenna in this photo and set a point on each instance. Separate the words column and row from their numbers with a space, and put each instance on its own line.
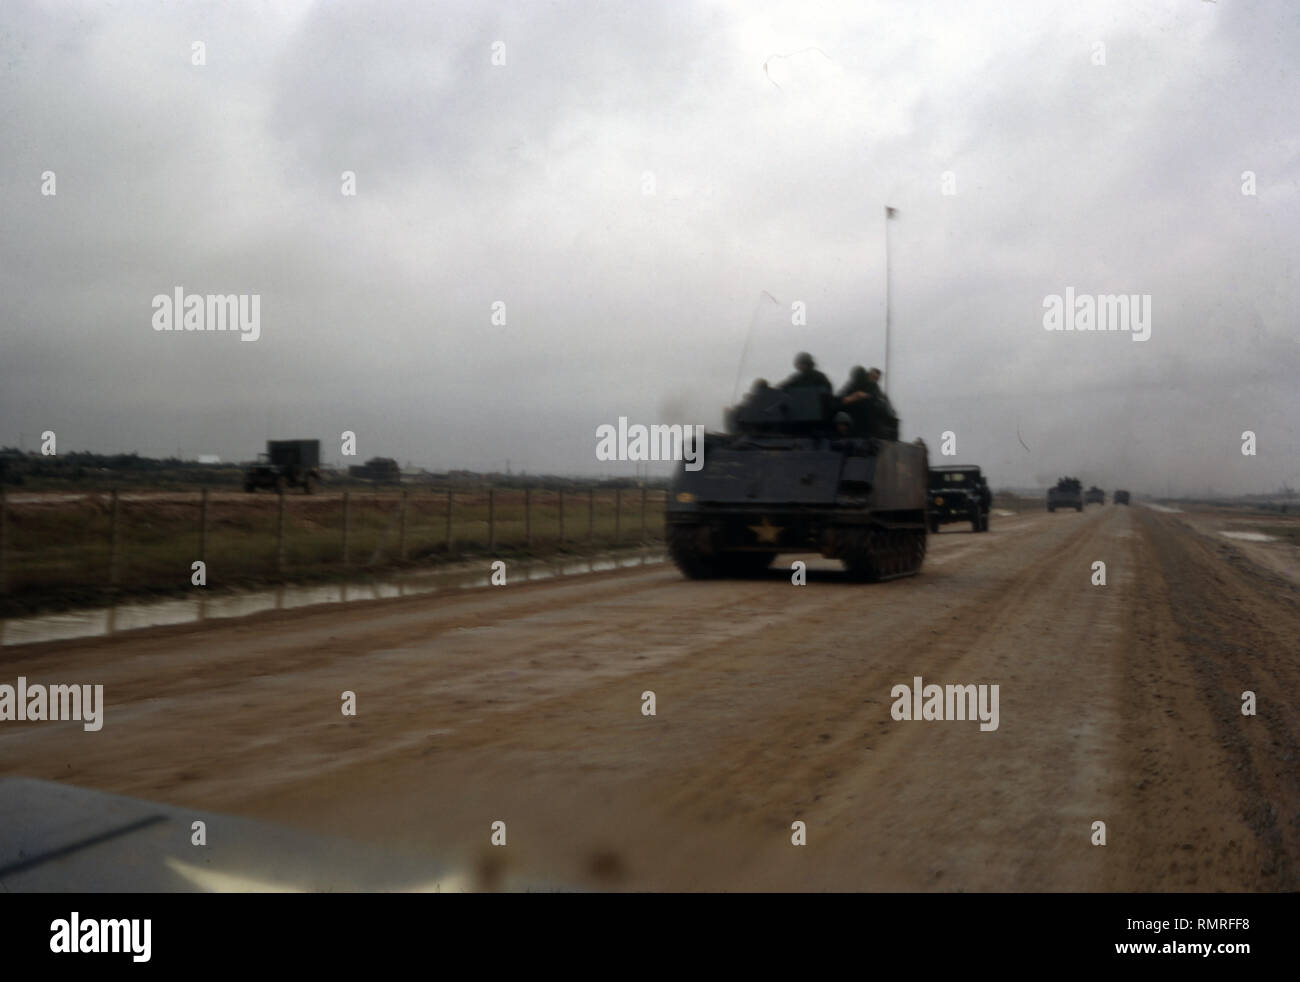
column 753, row 320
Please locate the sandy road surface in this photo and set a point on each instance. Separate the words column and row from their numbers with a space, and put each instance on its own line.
column 523, row 704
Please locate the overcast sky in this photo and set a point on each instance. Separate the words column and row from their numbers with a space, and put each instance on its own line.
column 648, row 188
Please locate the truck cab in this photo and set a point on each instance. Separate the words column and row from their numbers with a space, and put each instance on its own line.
column 958, row 493
column 286, row 464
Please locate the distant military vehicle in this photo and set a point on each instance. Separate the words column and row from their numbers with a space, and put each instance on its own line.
column 781, row 479
column 959, row 494
column 1094, row 496
column 380, row 470
column 1121, row 497
column 1068, row 493
column 286, row 464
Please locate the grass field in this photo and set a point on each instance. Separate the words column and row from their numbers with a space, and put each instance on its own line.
column 58, row 551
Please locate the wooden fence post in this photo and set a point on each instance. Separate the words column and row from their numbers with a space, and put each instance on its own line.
column 401, row 530
column 203, row 527
column 4, row 542
column 450, row 494
column 347, row 526
column 279, row 535
column 114, row 545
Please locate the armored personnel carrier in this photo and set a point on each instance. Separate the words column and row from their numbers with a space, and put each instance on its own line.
column 1094, row 496
column 784, row 478
column 1068, row 493
column 1121, row 497
column 959, row 494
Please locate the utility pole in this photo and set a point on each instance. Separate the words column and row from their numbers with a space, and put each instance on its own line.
column 890, row 215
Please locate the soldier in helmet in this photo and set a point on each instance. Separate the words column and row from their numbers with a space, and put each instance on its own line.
column 862, row 385
column 756, row 397
column 889, row 418
column 866, row 402
column 845, row 436
column 806, row 375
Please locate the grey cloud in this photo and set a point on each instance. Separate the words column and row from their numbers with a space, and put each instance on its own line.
column 522, row 184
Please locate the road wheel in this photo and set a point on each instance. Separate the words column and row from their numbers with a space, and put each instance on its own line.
column 859, row 555
column 684, row 547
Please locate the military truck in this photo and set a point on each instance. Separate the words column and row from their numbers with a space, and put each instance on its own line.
column 782, row 480
column 1121, row 497
column 286, row 464
column 380, row 470
column 959, row 494
column 1094, row 496
column 1068, row 493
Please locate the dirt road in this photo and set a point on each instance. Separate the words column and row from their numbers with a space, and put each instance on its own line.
column 1118, row 704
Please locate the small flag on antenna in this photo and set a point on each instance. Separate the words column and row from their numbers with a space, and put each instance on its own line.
column 890, row 212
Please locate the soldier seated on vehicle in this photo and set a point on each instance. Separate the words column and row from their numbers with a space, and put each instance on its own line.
column 757, row 397
column 806, row 375
column 844, row 437
column 759, row 393
column 867, row 403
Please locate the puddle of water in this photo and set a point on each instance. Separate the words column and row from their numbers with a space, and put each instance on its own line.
column 100, row 621
column 1250, row 536
column 1169, row 508
column 1003, row 512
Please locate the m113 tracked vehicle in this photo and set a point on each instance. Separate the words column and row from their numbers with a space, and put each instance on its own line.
column 1068, row 493
column 787, row 478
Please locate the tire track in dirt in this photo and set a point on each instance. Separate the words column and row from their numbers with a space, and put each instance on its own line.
column 739, row 740
column 952, row 807
column 266, row 682
column 259, row 683
column 522, row 703
column 1220, row 791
